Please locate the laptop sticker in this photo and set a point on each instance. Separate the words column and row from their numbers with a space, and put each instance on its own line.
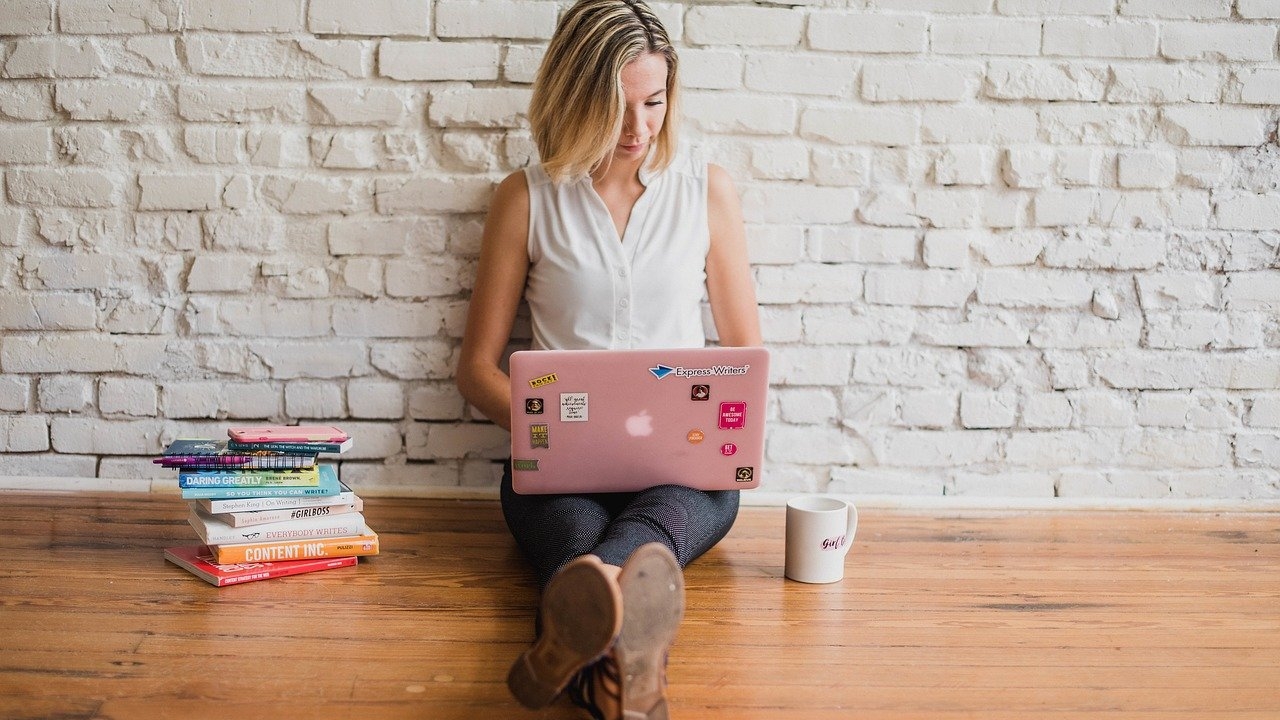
column 544, row 380
column 733, row 415
column 539, row 437
column 525, row 465
column 745, row 474
column 695, row 436
column 573, row 407
column 533, row 406
column 728, row 449
column 700, row 393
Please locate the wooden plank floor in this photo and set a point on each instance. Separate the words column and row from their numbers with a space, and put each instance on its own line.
column 942, row 615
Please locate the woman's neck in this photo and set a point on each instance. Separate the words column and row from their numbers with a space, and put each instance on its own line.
column 617, row 173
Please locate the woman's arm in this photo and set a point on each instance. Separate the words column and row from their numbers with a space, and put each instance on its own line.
column 730, row 287
column 500, row 279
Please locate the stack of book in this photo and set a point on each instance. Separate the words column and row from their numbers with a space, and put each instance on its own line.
column 265, row 506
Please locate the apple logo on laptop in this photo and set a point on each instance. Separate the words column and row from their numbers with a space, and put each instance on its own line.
column 640, row 424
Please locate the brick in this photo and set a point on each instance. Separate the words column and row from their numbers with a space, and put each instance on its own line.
column 1055, row 7
column 15, row 394
column 64, row 187
column 934, row 409
column 105, row 17
column 942, row 448
column 1200, row 330
column 106, row 437
column 374, row 236
column 91, row 354
column 780, row 161
column 1042, row 411
column 1258, row 9
column 865, row 245
column 1004, row 484
column 1257, row 450
column 272, row 16
column 1176, row 290
column 946, row 248
column 1094, row 124
column 800, row 73
column 740, row 113
column 867, row 33
column 1258, row 86
column 943, row 6
column 241, row 103
column 1093, row 248
column 1022, row 247
column 1027, row 167
column 25, row 101
column 789, row 203
column 846, row 167
column 978, row 331
column 482, row 107
column 432, row 401
column 842, row 324
column 222, row 273
column 442, row 194
column 977, row 124
column 922, row 288
column 427, row 61
column 371, row 17
column 127, row 396
column 1247, row 211
column 308, row 398
column 1218, row 41
column 1193, row 9
column 984, row 36
column 508, row 19
column 1265, row 411
column 1180, row 82
column 809, row 283
column 457, row 440
column 64, row 393
column 1073, row 37
column 521, row 62
column 915, row 81
column 745, row 26
column 1216, row 125
column 24, row 433
column 1022, row 80
column 1146, row 169
column 313, row 195
column 873, row 126
column 180, row 192
column 419, row 279
column 357, row 106
column 812, row 365
column 27, row 17
column 375, row 399
column 108, row 100
column 48, row 311
column 1253, row 291
column 25, row 145
column 1021, row 288
column 430, row 360
column 57, row 58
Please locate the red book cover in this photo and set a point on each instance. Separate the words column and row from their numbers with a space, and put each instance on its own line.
column 199, row 561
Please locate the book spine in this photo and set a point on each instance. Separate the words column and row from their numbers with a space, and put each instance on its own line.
column 352, row 546
column 276, row 491
column 253, row 504
column 263, row 517
column 214, row 532
column 248, row 478
column 279, row 570
column 286, row 447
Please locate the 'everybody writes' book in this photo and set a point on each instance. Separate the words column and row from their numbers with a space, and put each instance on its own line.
column 214, row 531
column 262, row 517
column 249, row 504
column 328, row 478
column 365, row 543
column 248, row 478
column 199, row 561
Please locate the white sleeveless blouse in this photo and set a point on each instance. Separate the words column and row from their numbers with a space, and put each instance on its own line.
column 587, row 290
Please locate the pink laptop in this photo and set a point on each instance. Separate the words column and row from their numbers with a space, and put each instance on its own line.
column 625, row 420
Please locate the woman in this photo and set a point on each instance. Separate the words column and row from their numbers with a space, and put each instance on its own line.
column 614, row 239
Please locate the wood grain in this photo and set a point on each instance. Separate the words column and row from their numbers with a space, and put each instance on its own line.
column 941, row 615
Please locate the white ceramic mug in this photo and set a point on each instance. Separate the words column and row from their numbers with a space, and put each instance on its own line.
column 820, row 531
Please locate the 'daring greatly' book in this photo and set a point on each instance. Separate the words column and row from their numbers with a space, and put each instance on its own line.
column 199, row 561
column 328, row 479
column 365, row 543
column 248, row 478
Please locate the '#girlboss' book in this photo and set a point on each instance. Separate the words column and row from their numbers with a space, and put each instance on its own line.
column 199, row 561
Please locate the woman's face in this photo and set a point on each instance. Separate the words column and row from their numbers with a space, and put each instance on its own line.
column 644, row 83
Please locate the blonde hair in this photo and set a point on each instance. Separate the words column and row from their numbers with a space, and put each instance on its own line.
column 578, row 101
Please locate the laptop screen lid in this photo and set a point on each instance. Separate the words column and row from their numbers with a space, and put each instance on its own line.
column 626, row 420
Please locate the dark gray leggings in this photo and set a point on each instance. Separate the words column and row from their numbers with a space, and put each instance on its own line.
column 552, row 530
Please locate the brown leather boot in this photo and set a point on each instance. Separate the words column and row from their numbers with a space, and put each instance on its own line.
column 581, row 615
column 630, row 682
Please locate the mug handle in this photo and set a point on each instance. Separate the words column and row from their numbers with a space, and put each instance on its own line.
column 852, row 527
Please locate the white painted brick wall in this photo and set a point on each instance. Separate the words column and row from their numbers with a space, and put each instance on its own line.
column 1004, row 248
